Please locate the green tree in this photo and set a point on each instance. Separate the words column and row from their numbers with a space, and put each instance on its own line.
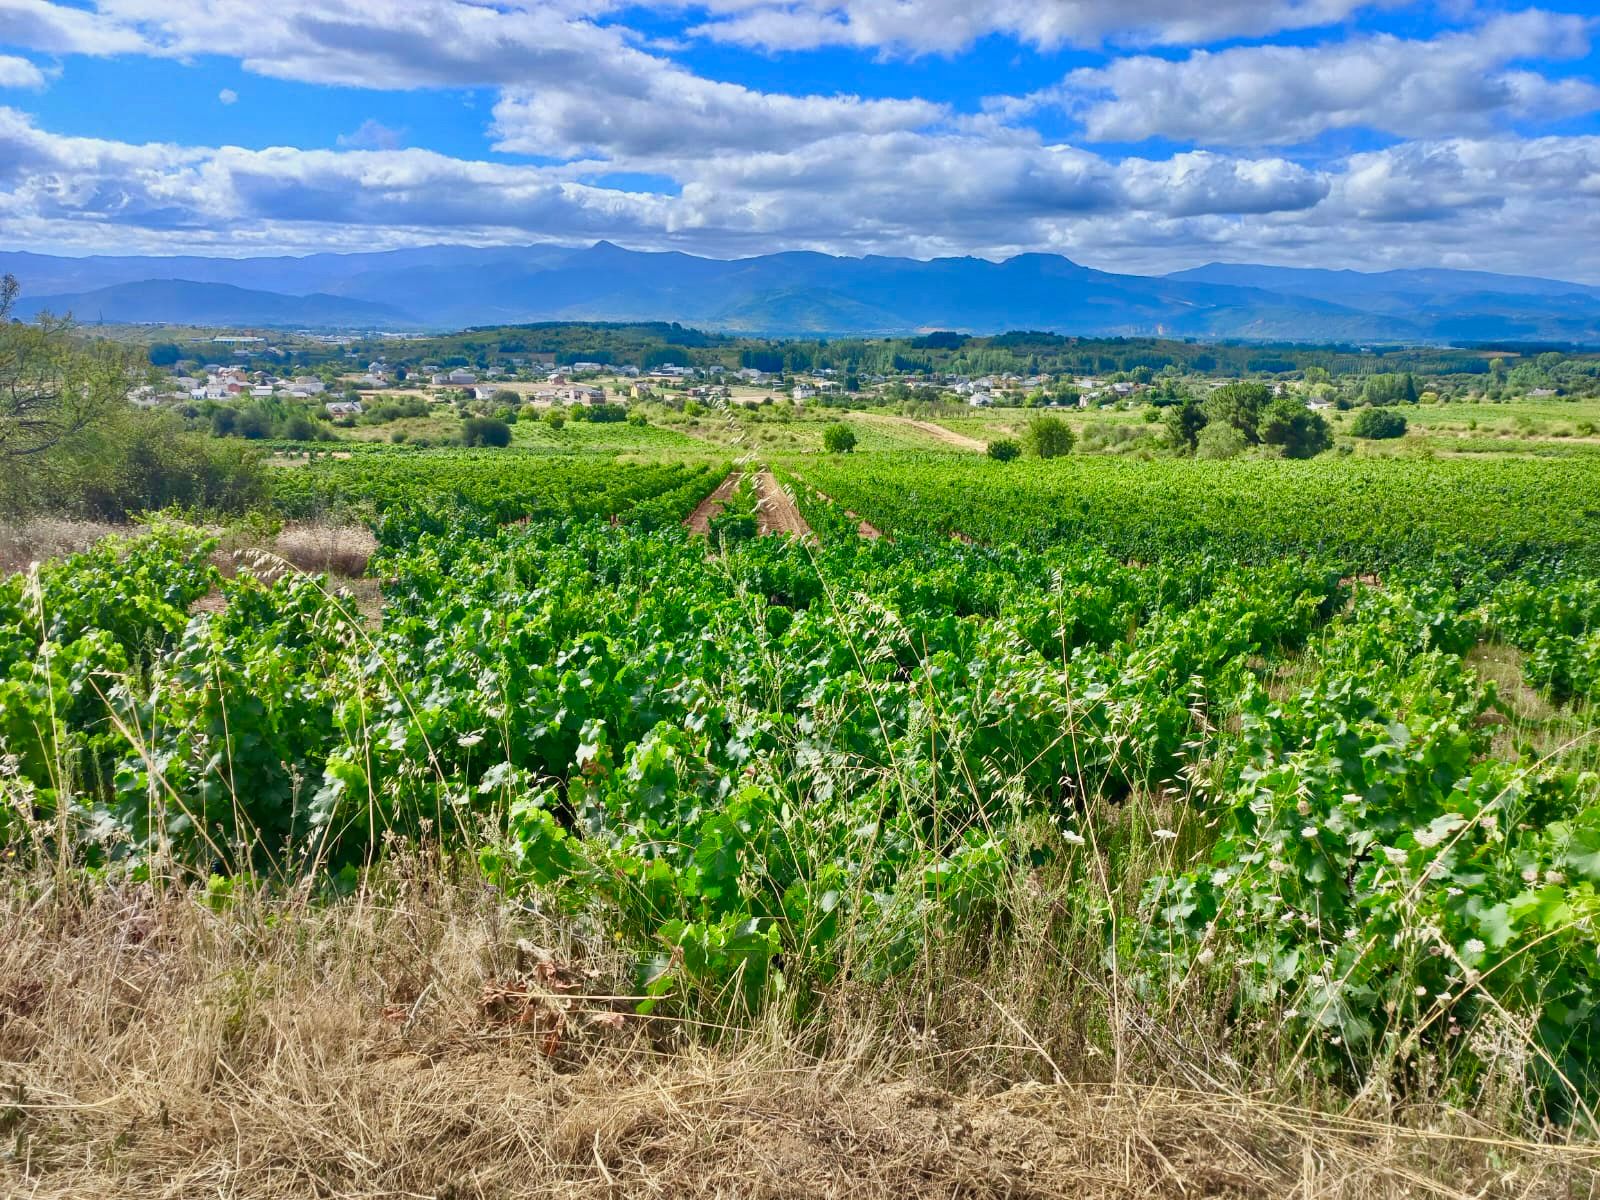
column 163, row 354
column 838, row 438
column 1048, row 437
column 50, row 389
column 1183, row 423
column 1239, row 405
column 1295, row 429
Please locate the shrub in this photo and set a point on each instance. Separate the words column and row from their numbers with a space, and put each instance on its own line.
column 838, row 438
column 1378, row 424
column 485, row 431
column 1219, row 440
column 1004, row 450
column 1049, row 437
column 555, row 418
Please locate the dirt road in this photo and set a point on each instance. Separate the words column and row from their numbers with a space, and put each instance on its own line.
column 938, row 433
column 775, row 511
column 699, row 521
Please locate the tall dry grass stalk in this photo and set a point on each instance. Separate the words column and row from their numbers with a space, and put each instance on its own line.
column 425, row 1038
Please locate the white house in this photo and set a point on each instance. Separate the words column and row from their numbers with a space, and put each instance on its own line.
column 803, row 392
column 344, row 408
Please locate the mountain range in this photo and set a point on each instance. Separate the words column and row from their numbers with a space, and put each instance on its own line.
column 802, row 293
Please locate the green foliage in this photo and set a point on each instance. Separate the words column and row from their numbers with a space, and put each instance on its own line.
column 1295, row 429
column 1004, row 449
column 1381, row 390
column 1377, row 424
column 1048, row 437
column 163, row 354
column 838, row 438
column 1218, row 441
column 1239, row 405
column 485, row 431
column 1365, row 513
column 775, row 769
column 1184, row 419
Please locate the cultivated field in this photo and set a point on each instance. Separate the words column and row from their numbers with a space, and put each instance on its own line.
column 615, row 818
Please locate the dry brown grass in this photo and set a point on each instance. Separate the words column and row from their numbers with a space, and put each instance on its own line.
column 327, row 548
column 40, row 539
column 423, row 1040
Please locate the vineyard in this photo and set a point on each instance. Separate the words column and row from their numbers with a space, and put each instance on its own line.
column 1287, row 774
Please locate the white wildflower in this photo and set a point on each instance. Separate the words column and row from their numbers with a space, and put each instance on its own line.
column 1071, row 838
column 1309, row 831
column 1474, row 946
column 1166, row 835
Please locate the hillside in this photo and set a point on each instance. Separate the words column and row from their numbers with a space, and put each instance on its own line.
column 808, row 293
column 184, row 302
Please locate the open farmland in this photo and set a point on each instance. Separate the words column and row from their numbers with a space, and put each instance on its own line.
column 1260, row 778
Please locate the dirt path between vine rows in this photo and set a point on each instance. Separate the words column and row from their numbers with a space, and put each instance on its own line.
column 775, row 509
column 938, row 432
column 699, row 521
column 863, row 527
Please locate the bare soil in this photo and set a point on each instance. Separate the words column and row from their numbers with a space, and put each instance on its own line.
column 699, row 521
column 775, row 510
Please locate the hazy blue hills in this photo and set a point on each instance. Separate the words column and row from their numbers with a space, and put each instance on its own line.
column 184, row 302
column 804, row 293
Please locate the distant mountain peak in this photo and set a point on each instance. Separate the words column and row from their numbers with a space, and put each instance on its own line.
column 806, row 292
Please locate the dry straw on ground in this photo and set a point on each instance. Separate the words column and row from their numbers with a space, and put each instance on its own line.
column 424, row 1041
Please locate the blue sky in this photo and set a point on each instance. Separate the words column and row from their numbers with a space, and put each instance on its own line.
column 1143, row 135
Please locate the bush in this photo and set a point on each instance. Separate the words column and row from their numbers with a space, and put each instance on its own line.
column 838, row 438
column 133, row 462
column 1378, row 424
column 555, row 418
column 1004, row 450
column 485, row 431
column 1049, row 437
column 1218, row 441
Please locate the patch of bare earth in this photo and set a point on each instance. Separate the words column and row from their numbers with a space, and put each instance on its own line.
column 775, row 509
column 699, row 521
column 427, row 1039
